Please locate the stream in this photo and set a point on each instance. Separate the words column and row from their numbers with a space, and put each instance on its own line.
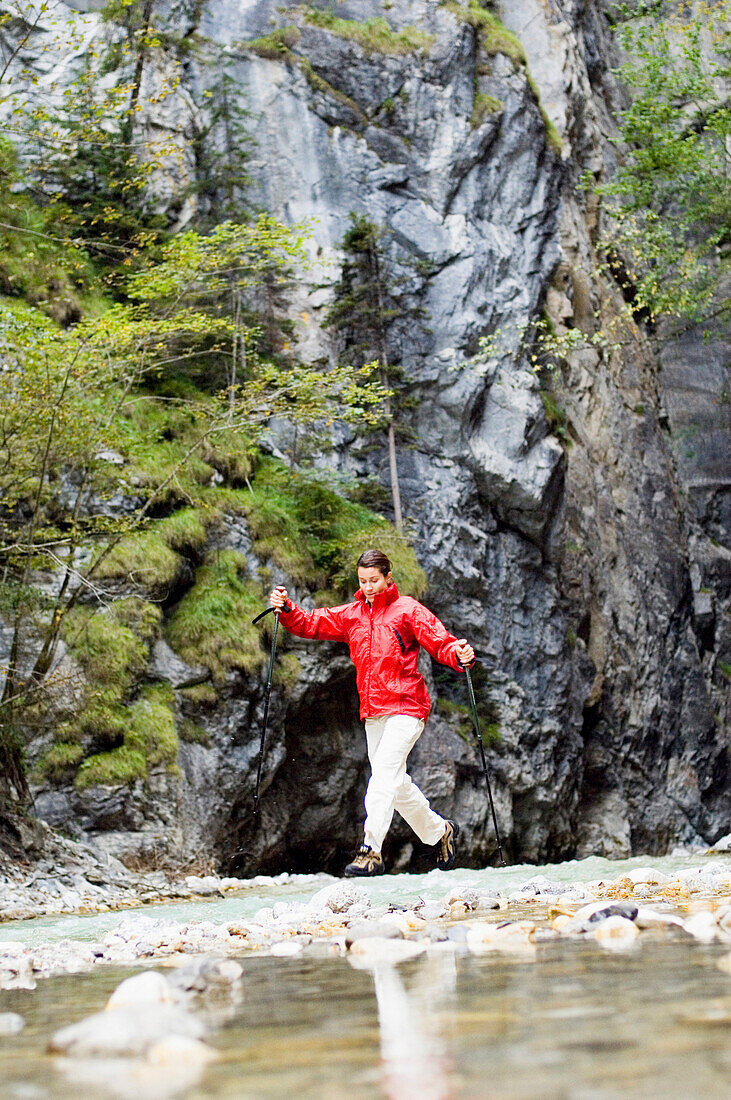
column 571, row 1021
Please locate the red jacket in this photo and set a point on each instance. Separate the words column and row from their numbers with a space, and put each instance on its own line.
column 384, row 643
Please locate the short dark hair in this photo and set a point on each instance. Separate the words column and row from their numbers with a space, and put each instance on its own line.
column 374, row 559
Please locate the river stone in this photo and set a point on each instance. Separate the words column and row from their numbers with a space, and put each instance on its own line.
column 175, row 1050
column 722, row 845
column 483, row 937
column 616, row 931
column 11, row 1023
column 339, row 897
column 586, row 918
column 702, row 926
column 648, row 876
column 285, row 949
column 378, row 949
column 369, row 930
column 145, row 989
column 124, row 1031
column 650, row 918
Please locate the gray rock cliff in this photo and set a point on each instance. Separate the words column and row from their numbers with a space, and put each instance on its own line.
column 577, row 563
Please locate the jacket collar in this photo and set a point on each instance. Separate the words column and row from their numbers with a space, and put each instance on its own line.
column 383, row 599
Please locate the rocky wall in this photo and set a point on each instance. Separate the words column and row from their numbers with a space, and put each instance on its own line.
column 566, row 561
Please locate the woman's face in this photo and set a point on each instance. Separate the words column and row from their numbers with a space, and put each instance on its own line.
column 372, row 581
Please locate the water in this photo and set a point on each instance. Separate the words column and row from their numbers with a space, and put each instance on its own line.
column 574, row 1023
column 403, row 889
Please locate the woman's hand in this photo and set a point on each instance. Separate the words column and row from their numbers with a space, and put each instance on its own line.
column 465, row 652
column 278, row 597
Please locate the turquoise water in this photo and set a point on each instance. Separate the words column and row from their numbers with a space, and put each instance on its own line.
column 399, row 889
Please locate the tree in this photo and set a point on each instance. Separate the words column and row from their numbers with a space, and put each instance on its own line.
column 369, row 296
column 66, row 446
column 668, row 204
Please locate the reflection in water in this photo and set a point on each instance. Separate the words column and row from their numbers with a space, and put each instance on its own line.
column 415, row 1062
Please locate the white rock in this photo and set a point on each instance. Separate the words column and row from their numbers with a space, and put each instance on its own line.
column 175, row 1050
column 339, row 897
column 11, row 1023
column 722, row 845
column 616, row 932
column 647, row 876
column 124, row 1031
column 703, row 926
column 650, row 918
column 404, row 922
column 285, row 948
column 376, row 949
column 483, row 937
column 149, row 988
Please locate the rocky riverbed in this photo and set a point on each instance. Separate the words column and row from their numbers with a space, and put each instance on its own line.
column 192, row 964
column 344, row 917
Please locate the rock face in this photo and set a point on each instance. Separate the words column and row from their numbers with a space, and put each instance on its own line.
column 574, row 562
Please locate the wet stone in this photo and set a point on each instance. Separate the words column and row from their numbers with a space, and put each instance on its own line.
column 11, row 1023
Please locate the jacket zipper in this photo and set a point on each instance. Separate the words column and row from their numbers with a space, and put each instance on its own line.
column 370, row 657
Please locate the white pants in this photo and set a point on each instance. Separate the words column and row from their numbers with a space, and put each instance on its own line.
column 390, row 740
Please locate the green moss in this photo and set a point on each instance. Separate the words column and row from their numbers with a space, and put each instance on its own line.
column 108, row 650
column 373, row 35
column 287, row 672
column 494, row 36
column 112, row 647
column 552, row 135
column 316, row 536
column 194, row 734
column 152, row 726
column 184, row 530
column 157, row 438
column 212, row 623
column 143, row 618
column 483, row 106
column 319, row 84
column 118, row 768
column 277, row 46
column 144, row 558
column 556, row 417
column 200, row 695
column 59, row 762
column 725, row 669
column 274, row 46
column 149, row 740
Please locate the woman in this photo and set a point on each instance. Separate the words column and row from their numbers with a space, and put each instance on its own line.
column 385, row 632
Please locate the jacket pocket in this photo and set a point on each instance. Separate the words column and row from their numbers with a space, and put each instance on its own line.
column 400, row 640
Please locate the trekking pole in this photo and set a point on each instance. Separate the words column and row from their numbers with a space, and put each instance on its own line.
column 267, row 697
column 475, row 719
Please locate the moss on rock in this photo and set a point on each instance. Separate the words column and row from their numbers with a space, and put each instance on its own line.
column 212, row 623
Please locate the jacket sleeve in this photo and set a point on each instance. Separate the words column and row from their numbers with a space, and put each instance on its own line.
column 435, row 638
column 326, row 623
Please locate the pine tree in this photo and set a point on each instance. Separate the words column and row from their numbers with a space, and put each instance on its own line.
column 369, row 297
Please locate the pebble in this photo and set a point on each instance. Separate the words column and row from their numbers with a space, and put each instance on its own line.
column 616, row 931
column 124, row 1032
column 145, row 989
column 702, row 926
column 483, row 937
column 11, row 1023
column 378, row 949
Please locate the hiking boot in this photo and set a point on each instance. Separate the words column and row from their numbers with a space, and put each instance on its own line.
column 366, row 862
column 446, row 849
